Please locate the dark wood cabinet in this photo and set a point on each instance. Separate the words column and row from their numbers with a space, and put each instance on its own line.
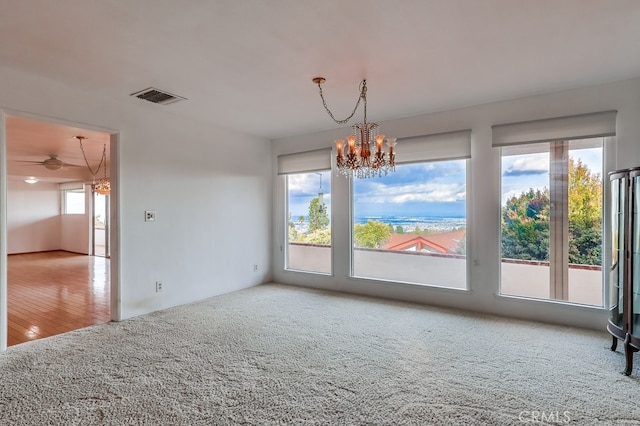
column 624, row 276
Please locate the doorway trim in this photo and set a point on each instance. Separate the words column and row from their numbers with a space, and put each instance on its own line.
column 114, row 208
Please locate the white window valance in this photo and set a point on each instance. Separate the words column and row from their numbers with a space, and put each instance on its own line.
column 71, row 186
column 304, row 162
column 598, row 124
column 436, row 147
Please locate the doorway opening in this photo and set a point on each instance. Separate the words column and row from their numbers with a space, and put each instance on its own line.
column 100, row 225
column 57, row 253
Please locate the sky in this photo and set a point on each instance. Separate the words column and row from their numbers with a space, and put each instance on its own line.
column 435, row 189
column 431, row 189
column 304, row 187
column 521, row 172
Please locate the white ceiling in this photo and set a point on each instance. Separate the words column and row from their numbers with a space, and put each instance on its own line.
column 31, row 140
column 248, row 64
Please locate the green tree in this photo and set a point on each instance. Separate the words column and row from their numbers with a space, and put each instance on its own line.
column 585, row 195
column 585, row 245
column 525, row 226
column 293, row 233
column 318, row 217
column 372, row 234
column 319, row 236
column 399, row 229
column 525, row 220
column 585, row 214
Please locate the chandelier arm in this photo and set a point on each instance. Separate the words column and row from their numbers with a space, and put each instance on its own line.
column 363, row 94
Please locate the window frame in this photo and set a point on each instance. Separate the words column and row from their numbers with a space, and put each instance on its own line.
column 65, row 204
column 307, row 162
column 559, row 244
column 427, row 149
column 601, row 124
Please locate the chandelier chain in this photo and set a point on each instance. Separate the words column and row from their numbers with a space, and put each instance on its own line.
column 363, row 95
column 102, row 160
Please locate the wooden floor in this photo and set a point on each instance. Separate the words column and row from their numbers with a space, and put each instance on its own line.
column 54, row 292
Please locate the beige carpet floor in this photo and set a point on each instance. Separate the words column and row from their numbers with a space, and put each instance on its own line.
column 283, row 355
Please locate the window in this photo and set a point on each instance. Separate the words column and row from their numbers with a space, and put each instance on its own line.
column 309, row 222
column 410, row 226
column 551, row 222
column 73, row 201
column 308, row 211
column 552, row 208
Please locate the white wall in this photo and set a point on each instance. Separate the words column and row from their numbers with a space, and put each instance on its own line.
column 33, row 217
column 484, row 199
column 34, row 222
column 210, row 187
column 74, row 233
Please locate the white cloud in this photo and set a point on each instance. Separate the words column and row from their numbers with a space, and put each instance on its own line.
column 307, row 183
column 419, row 192
column 528, row 164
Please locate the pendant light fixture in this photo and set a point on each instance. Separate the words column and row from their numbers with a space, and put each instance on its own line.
column 361, row 154
column 101, row 185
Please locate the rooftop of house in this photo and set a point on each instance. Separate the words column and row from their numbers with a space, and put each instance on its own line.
column 446, row 242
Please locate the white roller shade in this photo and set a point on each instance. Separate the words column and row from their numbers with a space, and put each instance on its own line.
column 442, row 146
column 71, row 186
column 583, row 126
column 304, row 162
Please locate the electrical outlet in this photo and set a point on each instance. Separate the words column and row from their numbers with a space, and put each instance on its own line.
column 150, row 216
column 255, row 268
column 158, row 286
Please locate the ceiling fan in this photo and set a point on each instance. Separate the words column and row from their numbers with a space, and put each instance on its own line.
column 51, row 163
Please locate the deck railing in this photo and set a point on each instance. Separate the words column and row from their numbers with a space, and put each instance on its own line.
column 518, row 277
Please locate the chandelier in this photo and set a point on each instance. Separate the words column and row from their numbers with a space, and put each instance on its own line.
column 361, row 154
column 101, row 185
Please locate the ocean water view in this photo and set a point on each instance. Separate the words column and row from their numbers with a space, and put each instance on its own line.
column 425, row 223
column 408, row 223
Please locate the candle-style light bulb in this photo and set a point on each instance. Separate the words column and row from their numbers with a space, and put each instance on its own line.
column 351, row 140
column 391, row 142
column 379, row 140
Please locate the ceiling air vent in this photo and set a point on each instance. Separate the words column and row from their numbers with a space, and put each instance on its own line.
column 157, row 96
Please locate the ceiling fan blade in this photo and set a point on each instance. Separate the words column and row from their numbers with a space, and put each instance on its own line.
column 47, row 165
column 27, row 161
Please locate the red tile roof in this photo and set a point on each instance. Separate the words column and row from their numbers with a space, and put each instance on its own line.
column 446, row 242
